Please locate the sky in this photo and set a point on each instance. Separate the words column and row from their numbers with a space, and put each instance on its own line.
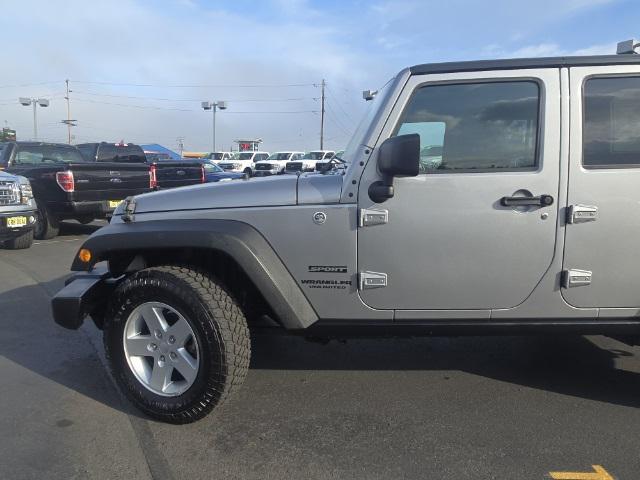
column 138, row 69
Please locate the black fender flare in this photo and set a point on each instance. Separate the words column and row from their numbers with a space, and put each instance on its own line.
column 239, row 240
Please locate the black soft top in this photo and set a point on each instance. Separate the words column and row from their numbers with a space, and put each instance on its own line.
column 523, row 63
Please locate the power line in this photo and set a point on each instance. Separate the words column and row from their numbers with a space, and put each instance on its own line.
column 193, row 99
column 148, row 107
column 122, row 84
column 151, row 107
column 31, row 84
column 341, row 108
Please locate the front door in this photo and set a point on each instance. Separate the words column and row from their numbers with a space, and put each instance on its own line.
column 603, row 236
column 474, row 230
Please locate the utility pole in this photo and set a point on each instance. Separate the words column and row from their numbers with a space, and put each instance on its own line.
column 180, row 145
column 322, row 116
column 68, row 112
column 70, row 123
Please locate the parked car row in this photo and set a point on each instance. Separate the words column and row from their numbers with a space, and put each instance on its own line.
column 45, row 183
column 263, row 164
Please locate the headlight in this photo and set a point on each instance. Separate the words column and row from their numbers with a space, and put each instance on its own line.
column 26, row 193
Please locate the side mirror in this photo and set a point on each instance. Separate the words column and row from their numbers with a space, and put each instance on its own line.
column 397, row 157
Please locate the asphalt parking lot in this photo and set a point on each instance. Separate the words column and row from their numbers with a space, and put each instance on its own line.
column 429, row 408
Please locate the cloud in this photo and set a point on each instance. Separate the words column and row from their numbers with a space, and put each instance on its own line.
column 353, row 45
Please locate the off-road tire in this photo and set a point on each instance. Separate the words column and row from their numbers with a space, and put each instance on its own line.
column 22, row 242
column 219, row 327
column 47, row 226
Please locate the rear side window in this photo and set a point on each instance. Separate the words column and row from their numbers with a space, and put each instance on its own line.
column 88, row 151
column 475, row 127
column 45, row 154
column 121, row 153
column 611, row 133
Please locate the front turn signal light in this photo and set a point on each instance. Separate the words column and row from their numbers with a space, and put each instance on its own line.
column 84, row 255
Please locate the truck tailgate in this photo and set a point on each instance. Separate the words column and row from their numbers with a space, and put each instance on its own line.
column 109, row 181
column 178, row 173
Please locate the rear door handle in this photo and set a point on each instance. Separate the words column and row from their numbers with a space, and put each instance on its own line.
column 539, row 201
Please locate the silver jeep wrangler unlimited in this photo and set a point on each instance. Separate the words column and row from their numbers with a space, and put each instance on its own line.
column 481, row 197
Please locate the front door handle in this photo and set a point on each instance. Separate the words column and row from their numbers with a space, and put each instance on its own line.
column 539, row 201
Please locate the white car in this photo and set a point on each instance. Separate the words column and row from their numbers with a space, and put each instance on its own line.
column 216, row 157
column 308, row 162
column 243, row 162
column 276, row 163
column 321, row 163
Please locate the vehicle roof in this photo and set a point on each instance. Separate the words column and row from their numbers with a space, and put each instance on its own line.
column 40, row 144
column 524, row 63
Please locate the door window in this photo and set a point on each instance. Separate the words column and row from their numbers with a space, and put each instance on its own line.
column 475, row 127
column 611, row 134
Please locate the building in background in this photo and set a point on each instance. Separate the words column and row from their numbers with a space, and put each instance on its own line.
column 249, row 145
column 7, row 135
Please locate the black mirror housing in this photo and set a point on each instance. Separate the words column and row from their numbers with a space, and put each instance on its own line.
column 398, row 157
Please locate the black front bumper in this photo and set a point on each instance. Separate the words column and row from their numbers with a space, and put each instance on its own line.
column 8, row 233
column 82, row 294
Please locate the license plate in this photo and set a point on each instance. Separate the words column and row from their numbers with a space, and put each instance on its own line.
column 114, row 203
column 16, row 222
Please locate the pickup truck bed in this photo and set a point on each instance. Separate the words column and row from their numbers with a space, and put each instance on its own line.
column 65, row 186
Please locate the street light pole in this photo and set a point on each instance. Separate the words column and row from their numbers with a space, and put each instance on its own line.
column 43, row 102
column 214, row 107
column 35, row 121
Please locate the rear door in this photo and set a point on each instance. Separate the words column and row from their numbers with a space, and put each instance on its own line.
column 603, row 233
column 445, row 241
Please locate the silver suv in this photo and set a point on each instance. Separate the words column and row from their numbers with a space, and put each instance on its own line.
column 17, row 212
column 481, row 197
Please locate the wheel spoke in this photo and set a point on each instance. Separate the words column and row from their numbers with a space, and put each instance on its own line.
column 160, row 376
column 138, row 346
column 186, row 365
column 154, row 355
column 154, row 318
column 181, row 331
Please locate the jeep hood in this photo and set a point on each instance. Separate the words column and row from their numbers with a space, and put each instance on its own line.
column 281, row 190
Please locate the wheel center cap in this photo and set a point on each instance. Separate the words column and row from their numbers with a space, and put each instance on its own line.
column 164, row 348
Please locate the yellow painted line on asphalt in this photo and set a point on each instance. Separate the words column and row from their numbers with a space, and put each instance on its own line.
column 599, row 473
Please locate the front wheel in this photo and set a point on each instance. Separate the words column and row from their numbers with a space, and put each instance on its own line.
column 20, row 243
column 47, row 225
column 247, row 172
column 177, row 343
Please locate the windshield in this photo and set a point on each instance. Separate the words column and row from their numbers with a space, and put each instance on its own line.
column 280, row 156
column 373, row 108
column 242, row 156
column 212, row 168
column 38, row 154
column 313, row 155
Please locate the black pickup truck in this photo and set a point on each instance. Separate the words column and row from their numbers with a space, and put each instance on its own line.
column 66, row 186
column 165, row 172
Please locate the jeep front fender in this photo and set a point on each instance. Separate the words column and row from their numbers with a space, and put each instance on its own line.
column 238, row 240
